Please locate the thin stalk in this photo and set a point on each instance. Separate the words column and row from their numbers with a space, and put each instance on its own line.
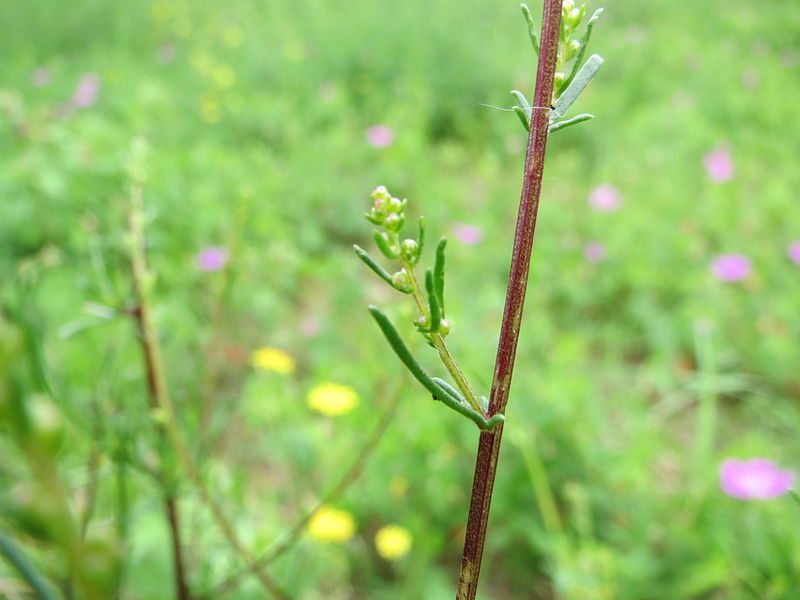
column 151, row 348
column 489, row 444
column 439, row 343
column 294, row 534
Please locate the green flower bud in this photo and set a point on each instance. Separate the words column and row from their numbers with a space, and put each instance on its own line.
column 573, row 18
column 401, row 281
column 394, row 222
column 380, row 194
column 559, row 80
column 572, row 48
column 409, row 250
column 421, row 322
column 567, row 6
column 396, row 205
column 444, row 326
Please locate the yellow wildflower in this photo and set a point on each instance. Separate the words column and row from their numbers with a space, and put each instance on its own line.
column 272, row 359
column 398, row 487
column 392, row 542
column 332, row 399
column 331, row 525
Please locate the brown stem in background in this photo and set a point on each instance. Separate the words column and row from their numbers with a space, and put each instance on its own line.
column 489, row 444
column 155, row 388
column 162, row 403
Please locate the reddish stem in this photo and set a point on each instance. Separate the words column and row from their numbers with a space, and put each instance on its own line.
column 489, row 444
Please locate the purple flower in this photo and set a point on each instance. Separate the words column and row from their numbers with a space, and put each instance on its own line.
column 719, row 164
column 755, row 479
column 212, row 258
column 40, row 77
column 731, row 267
column 793, row 251
column 605, row 198
column 594, row 252
column 379, row 136
column 86, row 92
column 469, row 234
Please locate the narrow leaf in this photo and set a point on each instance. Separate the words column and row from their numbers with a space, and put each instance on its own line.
column 582, row 79
column 370, row 262
column 412, row 365
column 449, row 389
column 522, row 117
column 526, row 12
column 433, row 302
column 582, row 52
column 573, row 121
column 383, row 245
column 438, row 274
column 524, row 104
column 26, row 569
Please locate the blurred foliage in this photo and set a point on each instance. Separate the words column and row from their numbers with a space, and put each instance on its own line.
column 256, row 113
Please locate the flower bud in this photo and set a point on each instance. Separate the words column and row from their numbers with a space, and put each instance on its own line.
column 380, row 194
column 395, row 205
column 572, row 48
column 573, row 19
column 394, row 222
column 444, row 326
column 409, row 249
column 559, row 80
column 567, row 6
column 47, row 431
column 401, row 281
column 421, row 322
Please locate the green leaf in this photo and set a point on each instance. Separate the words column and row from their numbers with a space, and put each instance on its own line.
column 582, row 52
column 383, row 245
column 433, row 301
column 572, row 121
column 370, row 262
column 526, row 12
column 26, row 569
column 438, row 273
column 579, row 83
column 437, row 391
column 522, row 117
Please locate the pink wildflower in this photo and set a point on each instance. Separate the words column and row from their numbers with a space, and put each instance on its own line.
column 212, row 258
column 719, row 165
column 469, row 234
column 605, row 198
column 755, row 479
column 731, row 267
column 793, row 251
column 86, row 92
column 379, row 136
column 594, row 252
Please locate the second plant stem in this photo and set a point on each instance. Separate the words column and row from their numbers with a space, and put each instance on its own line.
column 437, row 339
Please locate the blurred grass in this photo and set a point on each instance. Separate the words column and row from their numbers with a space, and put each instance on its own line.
column 256, row 113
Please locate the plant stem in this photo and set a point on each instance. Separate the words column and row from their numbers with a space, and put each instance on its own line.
column 489, row 444
column 439, row 343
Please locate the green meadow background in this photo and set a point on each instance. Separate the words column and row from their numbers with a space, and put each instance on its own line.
column 638, row 372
